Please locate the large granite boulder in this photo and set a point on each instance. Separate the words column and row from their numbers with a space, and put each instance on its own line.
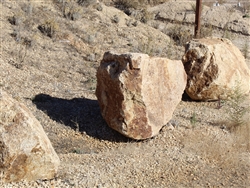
column 215, row 67
column 137, row 93
column 25, row 150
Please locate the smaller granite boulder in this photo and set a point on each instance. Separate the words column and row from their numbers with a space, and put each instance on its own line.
column 138, row 94
column 215, row 67
column 26, row 152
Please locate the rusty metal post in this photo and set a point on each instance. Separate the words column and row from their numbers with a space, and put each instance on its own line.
column 197, row 19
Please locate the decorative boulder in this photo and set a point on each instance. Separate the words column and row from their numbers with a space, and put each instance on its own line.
column 26, row 152
column 138, row 94
column 215, row 67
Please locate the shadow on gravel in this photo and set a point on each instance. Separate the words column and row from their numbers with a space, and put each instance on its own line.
column 80, row 114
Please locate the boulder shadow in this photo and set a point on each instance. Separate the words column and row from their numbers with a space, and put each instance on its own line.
column 81, row 114
column 185, row 97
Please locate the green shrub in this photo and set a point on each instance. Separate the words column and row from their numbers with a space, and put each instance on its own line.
column 246, row 16
column 193, row 119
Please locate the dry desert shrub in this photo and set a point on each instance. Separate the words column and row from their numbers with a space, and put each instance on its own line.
column 206, row 31
column 146, row 16
column 86, row 2
column 246, row 6
column 242, row 136
column 156, row 2
column 126, row 4
column 49, row 27
column 146, row 47
column 209, row 4
column 193, row 119
column 245, row 49
column 180, row 35
column 72, row 12
column 222, row 149
column 221, row 1
column 238, row 108
column 70, row 9
column 27, row 8
column 137, row 4
column 115, row 19
column 7, row 113
column 16, row 19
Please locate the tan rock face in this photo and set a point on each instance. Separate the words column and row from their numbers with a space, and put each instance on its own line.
column 26, row 152
column 137, row 93
column 214, row 67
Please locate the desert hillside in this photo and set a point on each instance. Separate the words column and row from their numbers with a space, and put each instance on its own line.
column 49, row 53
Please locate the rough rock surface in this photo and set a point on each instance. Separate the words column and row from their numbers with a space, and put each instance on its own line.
column 137, row 93
column 231, row 20
column 215, row 67
column 26, row 152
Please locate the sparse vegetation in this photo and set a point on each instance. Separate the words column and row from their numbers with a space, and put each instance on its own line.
column 49, row 27
column 146, row 48
column 246, row 16
column 193, row 119
column 245, row 49
column 20, row 54
column 221, row 2
column 16, row 19
column 193, row 7
column 72, row 12
column 28, row 8
column 206, row 31
column 220, row 103
column 126, row 4
column 180, row 35
column 227, row 34
column 146, row 16
column 115, row 19
column 70, row 9
column 86, row 2
column 238, row 107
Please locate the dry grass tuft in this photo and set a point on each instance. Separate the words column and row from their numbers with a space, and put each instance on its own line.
column 223, row 149
column 180, row 35
column 239, row 107
column 245, row 50
column 49, row 27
